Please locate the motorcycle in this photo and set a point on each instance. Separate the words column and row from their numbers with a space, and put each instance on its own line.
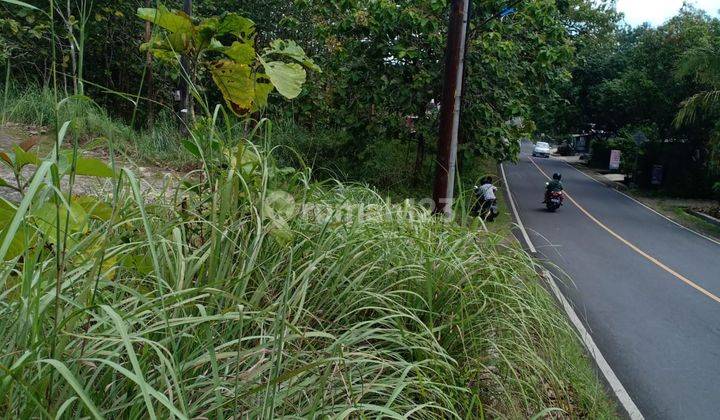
column 486, row 209
column 554, row 200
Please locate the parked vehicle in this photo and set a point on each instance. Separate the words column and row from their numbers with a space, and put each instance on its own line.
column 541, row 149
column 486, row 208
column 566, row 149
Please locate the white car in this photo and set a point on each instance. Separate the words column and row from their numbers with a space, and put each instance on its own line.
column 541, row 149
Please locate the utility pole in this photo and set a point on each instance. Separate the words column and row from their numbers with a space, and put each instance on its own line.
column 185, row 99
column 450, row 107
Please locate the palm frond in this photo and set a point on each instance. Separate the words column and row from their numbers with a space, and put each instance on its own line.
column 708, row 102
column 702, row 64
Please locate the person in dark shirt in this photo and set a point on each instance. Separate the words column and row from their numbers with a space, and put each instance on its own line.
column 554, row 186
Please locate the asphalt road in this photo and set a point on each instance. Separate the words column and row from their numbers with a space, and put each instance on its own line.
column 646, row 289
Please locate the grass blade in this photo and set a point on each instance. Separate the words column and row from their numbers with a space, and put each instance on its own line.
column 70, row 378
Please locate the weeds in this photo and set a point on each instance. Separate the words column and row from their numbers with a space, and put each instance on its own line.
column 227, row 300
column 159, row 145
column 249, row 291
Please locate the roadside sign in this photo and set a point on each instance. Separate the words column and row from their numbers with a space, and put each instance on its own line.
column 614, row 160
column 657, row 175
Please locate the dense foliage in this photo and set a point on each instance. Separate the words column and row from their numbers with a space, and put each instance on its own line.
column 253, row 292
column 375, row 107
column 657, row 82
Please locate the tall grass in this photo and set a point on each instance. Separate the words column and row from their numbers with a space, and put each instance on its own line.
column 36, row 106
column 250, row 291
column 217, row 302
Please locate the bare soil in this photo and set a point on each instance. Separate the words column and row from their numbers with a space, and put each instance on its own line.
column 152, row 179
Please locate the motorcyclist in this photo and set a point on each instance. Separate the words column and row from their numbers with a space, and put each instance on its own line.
column 485, row 194
column 553, row 186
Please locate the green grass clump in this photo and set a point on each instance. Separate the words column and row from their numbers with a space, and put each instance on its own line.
column 251, row 292
column 159, row 144
column 695, row 222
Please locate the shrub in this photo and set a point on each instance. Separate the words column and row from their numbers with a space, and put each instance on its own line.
column 251, row 292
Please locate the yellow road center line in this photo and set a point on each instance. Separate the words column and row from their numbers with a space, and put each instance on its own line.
column 635, row 248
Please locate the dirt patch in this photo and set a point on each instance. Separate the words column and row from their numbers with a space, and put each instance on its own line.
column 153, row 180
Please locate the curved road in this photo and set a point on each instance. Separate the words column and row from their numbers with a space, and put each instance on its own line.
column 646, row 289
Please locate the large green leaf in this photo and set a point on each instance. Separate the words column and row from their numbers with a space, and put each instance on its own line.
column 278, row 227
column 7, row 212
column 20, row 3
column 18, row 218
column 241, row 52
column 241, row 27
column 235, row 83
column 263, row 87
column 289, row 48
column 287, row 78
column 247, row 160
column 206, row 31
column 161, row 47
column 94, row 207
column 23, row 158
column 282, row 203
column 173, row 21
column 93, row 167
column 179, row 42
column 17, row 243
column 192, row 147
column 166, row 55
column 45, row 219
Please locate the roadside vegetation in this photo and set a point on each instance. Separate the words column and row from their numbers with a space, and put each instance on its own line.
column 286, row 272
column 159, row 145
column 652, row 93
column 270, row 296
column 682, row 210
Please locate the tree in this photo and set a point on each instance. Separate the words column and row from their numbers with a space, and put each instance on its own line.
column 702, row 64
column 383, row 64
column 244, row 75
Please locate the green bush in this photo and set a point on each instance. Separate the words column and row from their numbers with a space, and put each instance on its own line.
column 252, row 292
column 629, row 151
column 159, row 144
column 28, row 105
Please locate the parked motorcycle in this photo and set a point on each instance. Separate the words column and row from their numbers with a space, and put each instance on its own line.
column 486, row 209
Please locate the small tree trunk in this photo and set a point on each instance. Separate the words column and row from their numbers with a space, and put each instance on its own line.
column 71, row 41
column 7, row 89
column 149, row 73
column 185, row 97
column 419, row 158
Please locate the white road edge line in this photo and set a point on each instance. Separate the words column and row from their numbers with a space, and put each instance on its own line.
column 617, row 387
column 649, row 208
column 515, row 212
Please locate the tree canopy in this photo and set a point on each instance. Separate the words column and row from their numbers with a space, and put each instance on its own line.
column 554, row 67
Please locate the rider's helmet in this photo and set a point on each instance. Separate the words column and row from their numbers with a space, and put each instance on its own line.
column 557, row 176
